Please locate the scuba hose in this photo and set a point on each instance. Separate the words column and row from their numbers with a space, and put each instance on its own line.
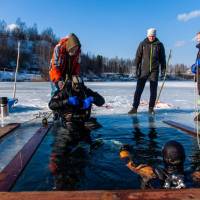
column 163, row 83
column 68, row 75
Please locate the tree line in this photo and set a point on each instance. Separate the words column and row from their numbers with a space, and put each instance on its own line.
column 36, row 50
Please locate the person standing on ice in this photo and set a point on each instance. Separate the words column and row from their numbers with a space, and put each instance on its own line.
column 150, row 55
column 65, row 61
column 194, row 69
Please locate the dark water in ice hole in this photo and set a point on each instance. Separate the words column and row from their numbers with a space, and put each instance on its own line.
column 100, row 167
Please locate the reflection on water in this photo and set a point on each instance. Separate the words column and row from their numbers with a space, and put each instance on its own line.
column 96, row 164
column 146, row 148
column 195, row 156
column 68, row 156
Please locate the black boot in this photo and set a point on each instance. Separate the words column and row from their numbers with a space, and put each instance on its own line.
column 151, row 111
column 132, row 111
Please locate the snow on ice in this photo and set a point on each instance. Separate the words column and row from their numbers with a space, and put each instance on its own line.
column 177, row 97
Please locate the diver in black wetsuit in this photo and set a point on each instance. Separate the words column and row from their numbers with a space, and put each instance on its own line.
column 171, row 176
column 73, row 103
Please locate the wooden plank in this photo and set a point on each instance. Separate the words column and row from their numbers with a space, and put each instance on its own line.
column 11, row 172
column 8, row 128
column 191, row 131
column 183, row 194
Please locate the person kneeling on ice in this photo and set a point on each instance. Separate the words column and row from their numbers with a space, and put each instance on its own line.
column 196, row 70
column 171, row 176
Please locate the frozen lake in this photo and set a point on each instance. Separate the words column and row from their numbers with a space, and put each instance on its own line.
column 147, row 135
column 34, row 97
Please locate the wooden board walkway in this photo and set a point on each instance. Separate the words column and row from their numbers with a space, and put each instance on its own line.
column 8, row 128
column 191, row 131
column 11, row 172
column 183, row 194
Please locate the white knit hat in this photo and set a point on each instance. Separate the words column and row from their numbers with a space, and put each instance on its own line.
column 151, row 32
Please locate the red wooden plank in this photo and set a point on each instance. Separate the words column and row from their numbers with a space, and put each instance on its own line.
column 183, row 194
column 11, row 172
column 8, row 128
column 182, row 127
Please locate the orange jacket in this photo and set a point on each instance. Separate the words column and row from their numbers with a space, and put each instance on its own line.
column 62, row 63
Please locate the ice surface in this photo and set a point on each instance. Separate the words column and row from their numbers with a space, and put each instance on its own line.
column 177, row 97
column 34, row 97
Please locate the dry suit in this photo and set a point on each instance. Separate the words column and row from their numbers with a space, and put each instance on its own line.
column 63, row 165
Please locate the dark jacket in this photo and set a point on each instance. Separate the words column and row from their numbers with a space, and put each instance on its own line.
column 59, row 101
column 149, row 56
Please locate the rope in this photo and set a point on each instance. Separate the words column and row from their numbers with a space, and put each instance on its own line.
column 39, row 115
column 16, row 71
column 196, row 106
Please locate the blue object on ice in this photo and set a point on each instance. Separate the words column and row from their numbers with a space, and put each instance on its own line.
column 11, row 102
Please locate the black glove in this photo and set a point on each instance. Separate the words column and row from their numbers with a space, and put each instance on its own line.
column 138, row 71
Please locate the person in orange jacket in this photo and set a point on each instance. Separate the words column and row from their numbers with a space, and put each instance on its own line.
column 65, row 61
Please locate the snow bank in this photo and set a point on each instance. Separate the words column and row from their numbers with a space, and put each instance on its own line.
column 9, row 76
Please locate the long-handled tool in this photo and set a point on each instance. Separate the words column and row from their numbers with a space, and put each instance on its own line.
column 169, row 57
column 14, row 100
column 18, row 54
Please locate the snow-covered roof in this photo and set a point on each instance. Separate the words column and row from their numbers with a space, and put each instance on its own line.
column 11, row 27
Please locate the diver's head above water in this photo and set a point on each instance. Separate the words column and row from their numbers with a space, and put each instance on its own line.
column 173, row 156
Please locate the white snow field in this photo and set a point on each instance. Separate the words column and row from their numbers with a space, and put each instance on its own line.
column 177, row 103
column 34, row 97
